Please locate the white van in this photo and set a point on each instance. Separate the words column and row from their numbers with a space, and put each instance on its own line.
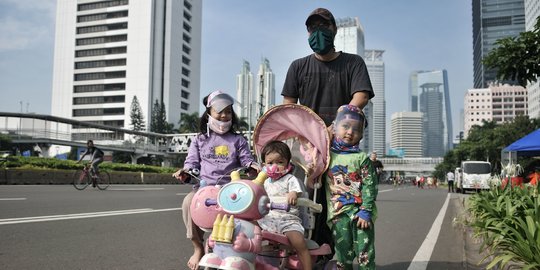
column 475, row 175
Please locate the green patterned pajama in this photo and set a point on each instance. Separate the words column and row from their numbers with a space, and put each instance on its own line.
column 352, row 242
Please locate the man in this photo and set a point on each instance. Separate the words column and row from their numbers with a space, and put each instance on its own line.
column 96, row 156
column 378, row 166
column 326, row 79
column 323, row 81
column 450, row 179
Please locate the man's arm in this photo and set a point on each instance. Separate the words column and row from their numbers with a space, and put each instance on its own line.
column 289, row 100
column 360, row 99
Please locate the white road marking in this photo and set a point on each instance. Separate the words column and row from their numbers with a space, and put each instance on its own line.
column 83, row 215
column 182, row 194
column 12, row 199
column 421, row 259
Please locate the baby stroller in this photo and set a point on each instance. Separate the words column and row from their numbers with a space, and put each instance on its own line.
column 229, row 211
column 305, row 134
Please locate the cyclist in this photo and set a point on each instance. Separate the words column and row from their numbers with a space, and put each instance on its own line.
column 96, row 156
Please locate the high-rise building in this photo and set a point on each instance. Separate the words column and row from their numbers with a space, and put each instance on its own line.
column 244, row 94
column 493, row 20
column 499, row 103
column 375, row 66
column 406, row 133
column 108, row 52
column 532, row 12
column 430, row 95
column 266, row 92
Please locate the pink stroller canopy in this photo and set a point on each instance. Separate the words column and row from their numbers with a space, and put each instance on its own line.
column 304, row 132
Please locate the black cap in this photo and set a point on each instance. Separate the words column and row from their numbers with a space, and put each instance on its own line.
column 322, row 13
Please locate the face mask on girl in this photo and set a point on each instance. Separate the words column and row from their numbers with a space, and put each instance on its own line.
column 217, row 126
column 275, row 172
column 321, row 40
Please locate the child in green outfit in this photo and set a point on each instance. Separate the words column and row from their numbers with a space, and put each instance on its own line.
column 350, row 192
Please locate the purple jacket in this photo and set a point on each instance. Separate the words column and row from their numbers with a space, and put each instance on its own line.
column 217, row 155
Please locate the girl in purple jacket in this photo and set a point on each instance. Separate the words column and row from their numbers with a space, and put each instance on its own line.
column 216, row 151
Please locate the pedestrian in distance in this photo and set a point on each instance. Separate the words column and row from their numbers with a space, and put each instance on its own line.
column 450, row 180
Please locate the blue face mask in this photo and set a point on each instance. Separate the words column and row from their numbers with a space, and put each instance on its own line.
column 321, row 41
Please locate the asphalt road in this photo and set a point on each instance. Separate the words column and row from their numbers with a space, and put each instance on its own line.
column 140, row 227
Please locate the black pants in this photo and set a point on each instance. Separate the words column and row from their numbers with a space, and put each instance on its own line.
column 322, row 233
column 451, row 186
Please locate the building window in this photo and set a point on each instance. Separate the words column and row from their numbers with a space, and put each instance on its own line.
column 100, row 63
column 186, row 38
column 97, row 52
column 185, row 71
column 186, row 49
column 98, row 100
column 100, row 75
column 99, row 87
column 102, row 16
column 102, row 4
column 187, row 5
column 187, row 16
column 185, row 83
column 186, row 60
column 98, row 112
column 101, row 28
column 184, row 106
column 187, row 27
column 185, row 94
column 100, row 40
column 110, row 123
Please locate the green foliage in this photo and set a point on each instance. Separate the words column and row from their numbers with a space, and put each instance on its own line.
column 508, row 222
column 51, row 163
column 137, row 116
column 189, row 123
column 517, row 58
column 5, row 142
column 158, row 123
column 485, row 142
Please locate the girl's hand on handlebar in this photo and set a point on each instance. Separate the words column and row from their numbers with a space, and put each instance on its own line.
column 180, row 175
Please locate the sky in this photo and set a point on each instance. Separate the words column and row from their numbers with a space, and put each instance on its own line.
column 415, row 35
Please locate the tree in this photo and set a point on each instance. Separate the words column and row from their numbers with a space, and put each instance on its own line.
column 136, row 115
column 486, row 142
column 188, row 123
column 158, row 123
column 517, row 58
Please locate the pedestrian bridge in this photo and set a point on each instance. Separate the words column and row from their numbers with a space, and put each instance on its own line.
column 46, row 130
column 413, row 165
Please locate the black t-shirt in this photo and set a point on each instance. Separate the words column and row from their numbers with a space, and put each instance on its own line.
column 377, row 164
column 94, row 152
column 324, row 86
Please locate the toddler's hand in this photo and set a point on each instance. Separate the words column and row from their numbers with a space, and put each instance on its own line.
column 292, row 198
column 362, row 224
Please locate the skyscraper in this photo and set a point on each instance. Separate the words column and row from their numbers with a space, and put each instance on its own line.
column 266, row 92
column 244, row 93
column 433, row 100
column 493, row 20
column 375, row 66
column 108, row 52
column 406, row 133
column 532, row 12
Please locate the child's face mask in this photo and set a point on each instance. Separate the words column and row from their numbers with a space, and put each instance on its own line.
column 217, row 126
column 275, row 171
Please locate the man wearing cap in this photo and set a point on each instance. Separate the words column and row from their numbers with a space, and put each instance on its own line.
column 323, row 81
column 326, row 79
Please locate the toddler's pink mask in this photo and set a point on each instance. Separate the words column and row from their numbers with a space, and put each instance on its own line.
column 275, row 171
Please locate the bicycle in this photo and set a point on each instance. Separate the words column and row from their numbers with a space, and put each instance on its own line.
column 82, row 178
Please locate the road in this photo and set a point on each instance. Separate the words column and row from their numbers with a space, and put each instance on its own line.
column 140, row 227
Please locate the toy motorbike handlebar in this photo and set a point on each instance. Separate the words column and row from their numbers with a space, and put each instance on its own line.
column 192, row 173
column 316, row 207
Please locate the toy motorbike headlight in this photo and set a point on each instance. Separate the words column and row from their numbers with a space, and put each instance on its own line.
column 236, row 197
